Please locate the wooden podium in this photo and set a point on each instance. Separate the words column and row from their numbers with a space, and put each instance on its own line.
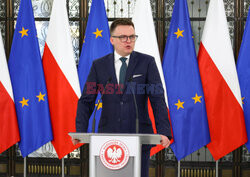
column 115, row 155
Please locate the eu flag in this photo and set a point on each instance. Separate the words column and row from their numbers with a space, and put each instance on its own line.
column 243, row 69
column 185, row 95
column 96, row 44
column 26, row 72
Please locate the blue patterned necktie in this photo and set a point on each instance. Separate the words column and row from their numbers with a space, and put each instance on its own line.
column 123, row 70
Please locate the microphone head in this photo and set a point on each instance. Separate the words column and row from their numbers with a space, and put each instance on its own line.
column 110, row 79
column 130, row 78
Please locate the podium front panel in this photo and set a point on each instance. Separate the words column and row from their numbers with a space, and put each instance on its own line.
column 98, row 145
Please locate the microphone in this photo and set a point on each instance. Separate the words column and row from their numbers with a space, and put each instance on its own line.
column 93, row 122
column 136, row 108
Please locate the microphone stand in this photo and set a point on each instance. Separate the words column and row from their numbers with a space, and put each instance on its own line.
column 136, row 108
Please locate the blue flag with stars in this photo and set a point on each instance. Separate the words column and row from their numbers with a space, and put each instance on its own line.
column 96, row 44
column 26, row 72
column 185, row 94
column 243, row 69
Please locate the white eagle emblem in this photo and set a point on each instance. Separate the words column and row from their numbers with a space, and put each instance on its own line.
column 114, row 155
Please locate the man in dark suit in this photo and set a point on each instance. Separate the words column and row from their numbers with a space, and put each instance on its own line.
column 120, row 74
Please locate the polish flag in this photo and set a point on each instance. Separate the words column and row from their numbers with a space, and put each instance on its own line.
column 9, row 132
column 147, row 43
column 61, row 79
column 220, row 84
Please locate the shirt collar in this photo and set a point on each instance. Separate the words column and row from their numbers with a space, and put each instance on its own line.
column 117, row 56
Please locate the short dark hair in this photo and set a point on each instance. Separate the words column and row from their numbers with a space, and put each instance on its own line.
column 121, row 21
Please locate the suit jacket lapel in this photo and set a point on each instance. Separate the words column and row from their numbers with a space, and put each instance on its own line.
column 131, row 66
column 111, row 68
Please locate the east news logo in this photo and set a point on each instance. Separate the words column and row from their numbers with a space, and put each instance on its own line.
column 114, row 154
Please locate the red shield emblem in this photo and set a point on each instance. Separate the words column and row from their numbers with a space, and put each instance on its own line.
column 114, row 154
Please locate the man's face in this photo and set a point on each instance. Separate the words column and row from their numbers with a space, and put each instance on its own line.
column 123, row 48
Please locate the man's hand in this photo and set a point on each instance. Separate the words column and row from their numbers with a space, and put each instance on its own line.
column 75, row 141
column 165, row 141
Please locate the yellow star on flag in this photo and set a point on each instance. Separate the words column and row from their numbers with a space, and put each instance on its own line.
column 98, row 33
column 242, row 100
column 99, row 106
column 179, row 104
column 84, row 39
column 179, row 33
column 24, row 102
column 196, row 98
column 40, row 97
column 24, row 32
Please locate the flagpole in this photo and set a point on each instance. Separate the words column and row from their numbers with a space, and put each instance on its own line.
column 63, row 167
column 24, row 166
column 217, row 168
column 179, row 168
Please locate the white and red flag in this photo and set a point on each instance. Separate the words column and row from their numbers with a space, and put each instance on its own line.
column 220, row 84
column 147, row 43
column 61, row 79
column 9, row 132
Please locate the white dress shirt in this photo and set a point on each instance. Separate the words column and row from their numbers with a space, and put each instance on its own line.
column 118, row 64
